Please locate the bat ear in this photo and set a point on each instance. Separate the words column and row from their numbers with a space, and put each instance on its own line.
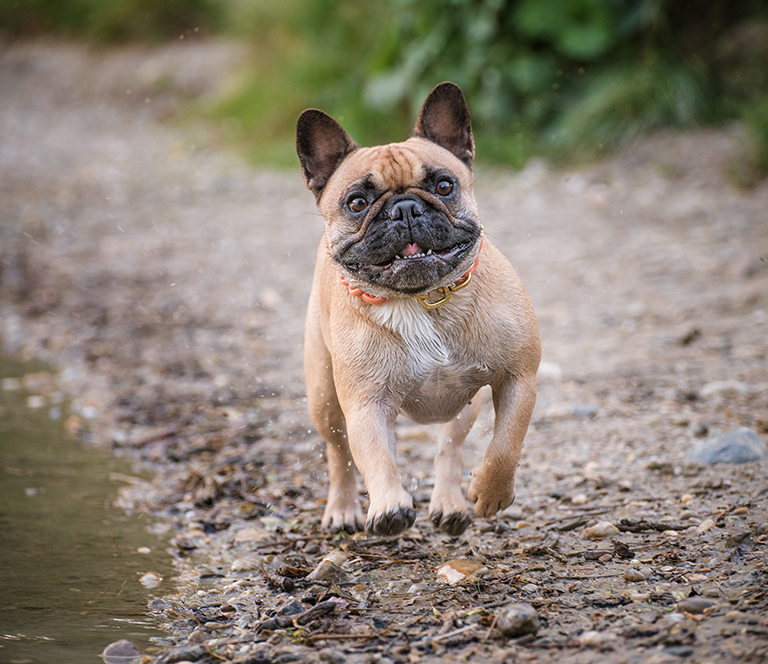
column 321, row 144
column 444, row 119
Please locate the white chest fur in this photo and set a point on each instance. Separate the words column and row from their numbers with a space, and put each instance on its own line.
column 433, row 368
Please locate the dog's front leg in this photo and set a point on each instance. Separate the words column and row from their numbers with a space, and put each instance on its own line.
column 447, row 509
column 493, row 481
column 372, row 441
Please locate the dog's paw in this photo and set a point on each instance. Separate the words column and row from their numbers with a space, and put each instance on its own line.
column 453, row 524
column 448, row 510
column 349, row 520
column 489, row 496
column 391, row 523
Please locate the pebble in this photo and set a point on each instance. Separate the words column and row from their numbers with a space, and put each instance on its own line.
column 191, row 652
column 150, row 580
column 724, row 388
column 741, row 445
column 595, row 639
column 517, row 619
column 329, row 567
column 695, row 605
column 530, row 589
column 159, row 605
column 461, row 569
column 579, row 499
column 600, row 530
column 704, row 526
column 633, row 574
column 121, row 652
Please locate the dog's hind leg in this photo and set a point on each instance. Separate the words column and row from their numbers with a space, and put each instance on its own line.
column 447, row 509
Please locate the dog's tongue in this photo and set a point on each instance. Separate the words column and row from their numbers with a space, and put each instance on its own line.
column 412, row 249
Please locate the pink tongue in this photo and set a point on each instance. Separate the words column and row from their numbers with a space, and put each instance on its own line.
column 412, row 249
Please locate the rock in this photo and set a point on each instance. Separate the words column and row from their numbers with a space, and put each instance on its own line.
column 251, row 535
column 725, row 388
column 246, row 564
column 150, row 580
column 695, row 605
column 191, row 652
column 741, row 445
column 292, row 608
column 121, row 652
column 595, row 639
column 529, row 589
column 459, row 570
column 329, row 568
column 579, row 499
column 633, row 575
column 599, row 531
column 704, row 526
column 159, row 605
column 517, row 619
column 586, row 411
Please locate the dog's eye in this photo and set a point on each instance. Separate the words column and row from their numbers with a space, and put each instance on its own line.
column 357, row 204
column 444, row 187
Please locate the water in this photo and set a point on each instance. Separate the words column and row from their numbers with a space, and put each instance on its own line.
column 69, row 565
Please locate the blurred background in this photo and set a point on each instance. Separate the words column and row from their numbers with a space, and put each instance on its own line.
column 563, row 79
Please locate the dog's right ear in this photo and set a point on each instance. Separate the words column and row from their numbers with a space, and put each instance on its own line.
column 321, row 144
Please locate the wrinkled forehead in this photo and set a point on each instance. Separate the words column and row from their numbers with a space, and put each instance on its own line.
column 400, row 165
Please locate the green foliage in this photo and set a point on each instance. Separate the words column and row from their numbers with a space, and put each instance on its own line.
column 553, row 77
column 756, row 117
column 111, row 20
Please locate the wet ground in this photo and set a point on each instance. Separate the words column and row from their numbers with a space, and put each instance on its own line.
column 71, row 561
column 168, row 281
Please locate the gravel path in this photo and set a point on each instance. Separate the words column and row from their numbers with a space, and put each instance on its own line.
column 166, row 281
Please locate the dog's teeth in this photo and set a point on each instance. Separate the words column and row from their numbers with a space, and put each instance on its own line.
column 429, row 252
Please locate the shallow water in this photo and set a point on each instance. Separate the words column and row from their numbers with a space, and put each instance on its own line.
column 69, row 560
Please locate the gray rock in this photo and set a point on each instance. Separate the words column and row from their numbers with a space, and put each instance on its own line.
column 695, row 604
column 159, row 605
column 191, row 652
column 517, row 619
column 121, row 652
column 741, row 445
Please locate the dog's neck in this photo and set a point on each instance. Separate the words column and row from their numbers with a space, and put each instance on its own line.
column 432, row 300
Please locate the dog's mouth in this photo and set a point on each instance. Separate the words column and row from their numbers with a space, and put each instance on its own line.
column 413, row 254
column 414, row 268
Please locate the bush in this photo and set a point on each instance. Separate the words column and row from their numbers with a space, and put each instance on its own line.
column 111, row 20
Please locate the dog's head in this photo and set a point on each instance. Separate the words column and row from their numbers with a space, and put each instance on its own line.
column 400, row 219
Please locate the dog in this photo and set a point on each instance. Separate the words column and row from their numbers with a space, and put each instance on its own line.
column 412, row 311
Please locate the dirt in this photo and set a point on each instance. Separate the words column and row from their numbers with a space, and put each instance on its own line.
column 166, row 281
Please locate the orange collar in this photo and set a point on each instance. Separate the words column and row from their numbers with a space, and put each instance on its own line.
column 444, row 292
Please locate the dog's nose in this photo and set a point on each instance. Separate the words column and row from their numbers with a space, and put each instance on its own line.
column 406, row 210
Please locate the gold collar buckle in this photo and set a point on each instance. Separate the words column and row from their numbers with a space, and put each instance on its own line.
column 445, row 293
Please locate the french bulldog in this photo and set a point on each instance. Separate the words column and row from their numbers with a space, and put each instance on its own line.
column 412, row 311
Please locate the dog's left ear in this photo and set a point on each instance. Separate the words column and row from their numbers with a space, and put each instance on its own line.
column 321, row 144
column 444, row 119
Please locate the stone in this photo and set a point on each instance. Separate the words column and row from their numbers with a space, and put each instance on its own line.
column 596, row 639
column 121, row 652
column 150, row 580
column 704, row 526
column 190, row 652
column 695, row 605
column 599, row 531
column 459, row 570
column 292, row 608
column 517, row 619
column 741, row 445
column 329, row 568
column 633, row 575
column 159, row 604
